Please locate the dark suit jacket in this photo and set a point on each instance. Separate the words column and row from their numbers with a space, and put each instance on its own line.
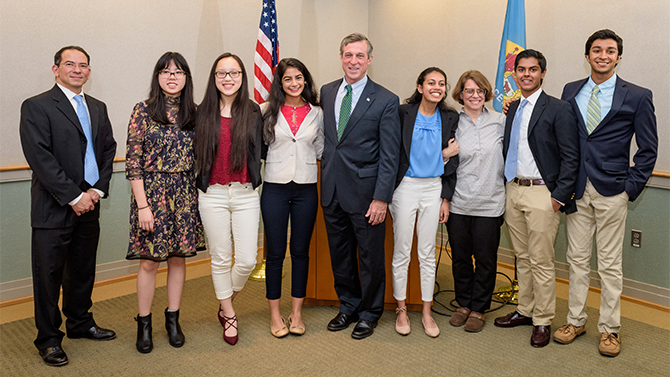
column 449, row 124
column 54, row 145
column 606, row 152
column 553, row 140
column 362, row 166
column 256, row 151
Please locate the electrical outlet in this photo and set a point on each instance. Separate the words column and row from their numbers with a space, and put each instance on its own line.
column 636, row 238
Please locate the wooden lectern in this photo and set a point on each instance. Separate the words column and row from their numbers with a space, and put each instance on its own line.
column 320, row 285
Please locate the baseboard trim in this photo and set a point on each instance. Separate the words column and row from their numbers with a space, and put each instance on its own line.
column 22, row 289
column 632, row 290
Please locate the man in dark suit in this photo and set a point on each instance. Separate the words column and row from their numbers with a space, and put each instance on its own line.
column 358, row 169
column 68, row 142
column 541, row 150
column 611, row 111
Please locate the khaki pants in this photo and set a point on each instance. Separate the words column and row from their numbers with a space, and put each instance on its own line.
column 533, row 225
column 606, row 217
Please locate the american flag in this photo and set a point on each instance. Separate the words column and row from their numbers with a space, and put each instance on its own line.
column 267, row 51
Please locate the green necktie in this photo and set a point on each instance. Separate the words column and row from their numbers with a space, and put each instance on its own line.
column 345, row 112
column 593, row 111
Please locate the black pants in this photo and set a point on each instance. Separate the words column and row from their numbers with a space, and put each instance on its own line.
column 353, row 242
column 479, row 237
column 63, row 257
column 278, row 201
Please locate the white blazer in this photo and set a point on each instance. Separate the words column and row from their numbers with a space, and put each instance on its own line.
column 293, row 158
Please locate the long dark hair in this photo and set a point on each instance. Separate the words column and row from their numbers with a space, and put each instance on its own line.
column 278, row 97
column 156, row 103
column 416, row 97
column 207, row 123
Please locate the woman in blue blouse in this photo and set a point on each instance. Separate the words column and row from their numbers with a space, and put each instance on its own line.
column 428, row 126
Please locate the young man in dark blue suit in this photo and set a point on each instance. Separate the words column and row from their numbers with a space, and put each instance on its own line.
column 68, row 142
column 541, row 149
column 610, row 111
column 358, row 169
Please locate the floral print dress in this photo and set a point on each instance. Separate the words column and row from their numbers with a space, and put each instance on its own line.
column 162, row 155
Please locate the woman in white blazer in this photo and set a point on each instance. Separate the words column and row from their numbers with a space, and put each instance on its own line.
column 293, row 131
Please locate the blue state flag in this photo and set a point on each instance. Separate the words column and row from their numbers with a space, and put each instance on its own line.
column 512, row 43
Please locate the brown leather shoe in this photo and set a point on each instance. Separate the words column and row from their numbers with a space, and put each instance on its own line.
column 541, row 336
column 475, row 322
column 567, row 333
column 610, row 344
column 513, row 319
column 459, row 317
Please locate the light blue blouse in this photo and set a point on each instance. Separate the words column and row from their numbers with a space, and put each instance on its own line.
column 425, row 156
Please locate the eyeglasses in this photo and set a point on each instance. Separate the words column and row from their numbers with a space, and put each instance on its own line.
column 223, row 74
column 470, row 91
column 72, row 65
column 166, row 74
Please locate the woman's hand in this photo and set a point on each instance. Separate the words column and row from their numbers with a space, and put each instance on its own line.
column 444, row 211
column 146, row 219
column 451, row 150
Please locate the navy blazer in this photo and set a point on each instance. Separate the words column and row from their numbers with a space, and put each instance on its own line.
column 54, row 145
column 554, row 143
column 449, row 118
column 363, row 164
column 606, row 152
column 257, row 150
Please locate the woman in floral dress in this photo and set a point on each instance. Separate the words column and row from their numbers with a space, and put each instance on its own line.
column 164, row 220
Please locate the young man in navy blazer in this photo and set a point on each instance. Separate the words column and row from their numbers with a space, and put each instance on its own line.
column 541, row 149
column 610, row 111
column 68, row 142
column 358, row 169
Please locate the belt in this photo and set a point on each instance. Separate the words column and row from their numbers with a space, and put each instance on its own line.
column 528, row 182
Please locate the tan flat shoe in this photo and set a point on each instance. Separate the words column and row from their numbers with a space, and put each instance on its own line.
column 281, row 332
column 432, row 332
column 295, row 329
column 402, row 329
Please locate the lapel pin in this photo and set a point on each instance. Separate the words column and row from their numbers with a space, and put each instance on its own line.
column 368, row 99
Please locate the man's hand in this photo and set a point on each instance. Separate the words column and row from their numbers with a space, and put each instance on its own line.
column 376, row 212
column 555, row 205
column 95, row 197
column 444, row 211
column 451, row 150
column 84, row 204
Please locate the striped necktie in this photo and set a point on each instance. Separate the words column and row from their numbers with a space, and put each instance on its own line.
column 345, row 112
column 593, row 111
column 91, row 174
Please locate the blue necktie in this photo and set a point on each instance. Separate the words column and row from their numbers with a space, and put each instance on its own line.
column 91, row 174
column 513, row 151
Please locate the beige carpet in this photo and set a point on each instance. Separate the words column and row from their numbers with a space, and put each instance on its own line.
column 493, row 352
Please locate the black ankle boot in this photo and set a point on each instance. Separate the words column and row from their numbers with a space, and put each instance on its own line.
column 175, row 335
column 144, row 343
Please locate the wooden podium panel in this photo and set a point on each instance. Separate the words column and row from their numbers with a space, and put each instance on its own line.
column 320, row 284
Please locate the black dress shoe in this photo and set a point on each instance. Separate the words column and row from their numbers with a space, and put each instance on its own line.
column 54, row 356
column 513, row 319
column 363, row 329
column 341, row 322
column 95, row 333
column 540, row 337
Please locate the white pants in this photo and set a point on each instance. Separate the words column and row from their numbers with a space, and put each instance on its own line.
column 230, row 210
column 415, row 199
column 604, row 216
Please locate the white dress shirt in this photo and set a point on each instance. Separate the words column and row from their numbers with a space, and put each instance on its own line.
column 526, row 167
